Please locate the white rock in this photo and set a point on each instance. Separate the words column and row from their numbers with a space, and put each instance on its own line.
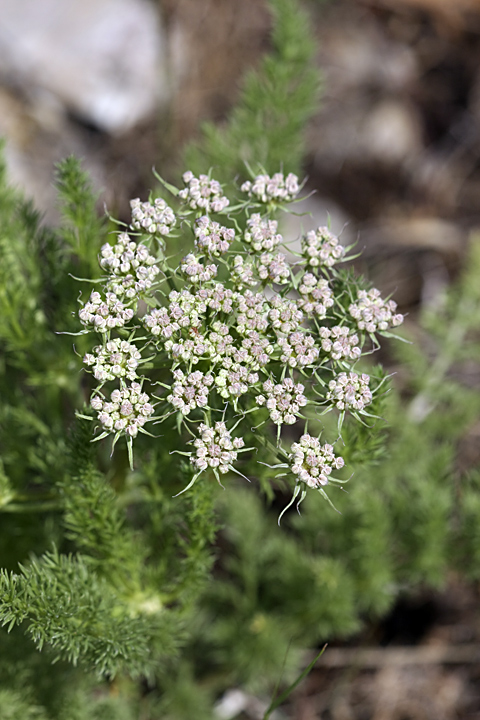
column 391, row 132
column 103, row 59
column 352, row 59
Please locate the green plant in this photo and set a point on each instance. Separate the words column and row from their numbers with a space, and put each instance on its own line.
column 151, row 605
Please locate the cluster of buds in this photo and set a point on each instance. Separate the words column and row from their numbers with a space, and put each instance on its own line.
column 277, row 189
column 283, row 400
column 312, row 463
column 131, row 266
column 217, row 298
column 211, row 237
column 116, row 359
column 350, row 391
column 127, row 410
column 203, row 194
column 316, row 296
column 251, row 312
column 284, row 316
column 156, row 217
column 274, row 268
column 243, row 273
column 262, row 233
column 215, row 448
column 234, row 380
column 220, row 342
column 190, row 391
column 298, row 350
column 186, row 312
column 106, row 314
column 321, row 247
column 255, row 351
column 195, row 271
column 371, row 313
column 160, row 323
column 190, row 352
column 340, row 343
column 186, row 308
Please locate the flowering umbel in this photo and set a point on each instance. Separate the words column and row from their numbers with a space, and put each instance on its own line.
column 249, row 338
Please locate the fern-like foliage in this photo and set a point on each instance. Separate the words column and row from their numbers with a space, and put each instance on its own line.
column 83, row 228
column 267, row 124
column 67, row 606
column 92, row 517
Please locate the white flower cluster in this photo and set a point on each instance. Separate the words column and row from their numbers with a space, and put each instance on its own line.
column 316, row 296
column 238, row 344
column 372, row 313
column 127, row 410
column 276, row 189
column 215, row 346
column 195, row 271
column 262, row 233
column 186, row 350
column 298, row 350
column 190, row 391
column 215, row 448
column 321, row 247
column 203, row 193
column 255, row 351
column 160, row 323
column 131, row 265
column 186, row 311
column 251, row 312
column 106, row 314
column 283, row 400
column 312, row 462
column 340, row 343
column 284, row 316
column 274, row 268
column 116, row 359
column 243, row 273
column 156, row 217
column 218, row 298
column 350, row 391
column 211, row 237
column 235, row 380
column 219, row 342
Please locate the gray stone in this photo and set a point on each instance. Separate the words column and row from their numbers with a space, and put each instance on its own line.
column 104, row 60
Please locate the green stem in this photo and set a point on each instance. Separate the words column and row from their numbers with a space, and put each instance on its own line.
column 32, row 507
column 423, row 403
column 281, row 698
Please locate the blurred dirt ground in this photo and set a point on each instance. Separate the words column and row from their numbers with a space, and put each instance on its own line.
column 393, row 154
column 421, row 663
